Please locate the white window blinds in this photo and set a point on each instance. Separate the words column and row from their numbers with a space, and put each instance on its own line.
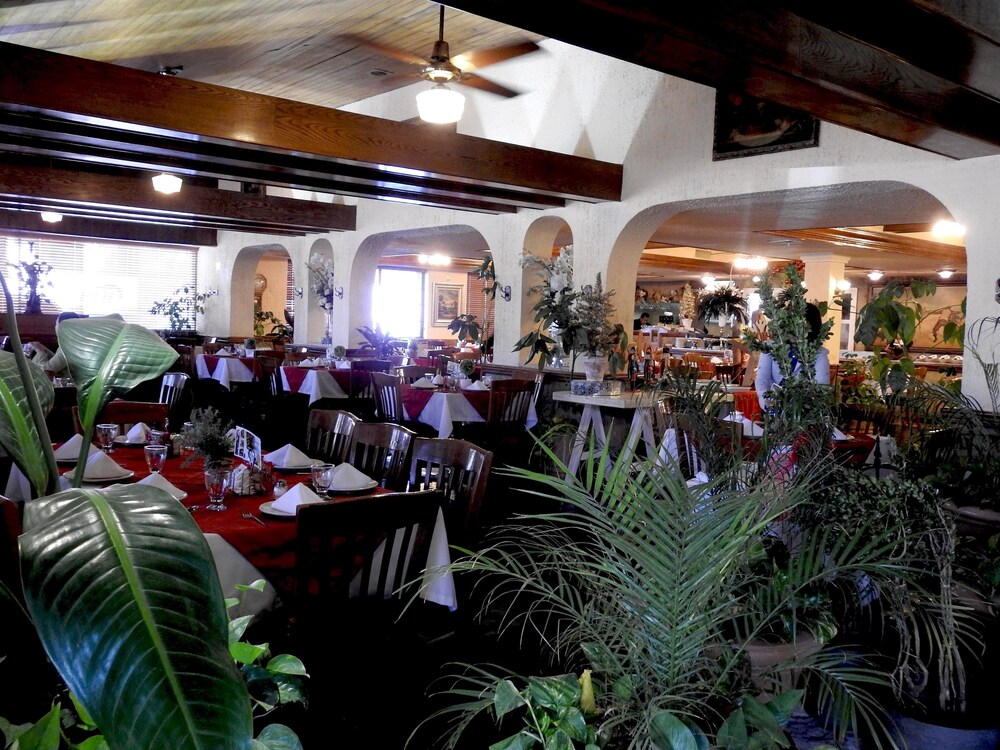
column 98, row 278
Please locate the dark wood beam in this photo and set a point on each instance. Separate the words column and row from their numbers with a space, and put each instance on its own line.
column 651, row 260
column 57, row 105
column 110, row 196
column 30, row 223
column 884, row 242
column 936, row 90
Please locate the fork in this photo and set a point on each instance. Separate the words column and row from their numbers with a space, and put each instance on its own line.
column 252, row 517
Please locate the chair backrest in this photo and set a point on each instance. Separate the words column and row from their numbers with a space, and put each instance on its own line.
column 211, row 347
column 266, row 371
column 510, row 401
column 411, row 373
column 387, row 392
column 10, row 530
column 459, row 469
column 185, row 358
column 329, row 433
column 361, row 382
column 337, row 542
column 382, row 451
column 125, row 414
column 297, row 354
column 728, row 374
column 172, row 387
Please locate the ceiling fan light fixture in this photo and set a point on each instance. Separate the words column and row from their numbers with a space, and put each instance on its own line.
column 756, row 263
column 440, row 104
column 52, row 217
column 875, row 275
column 167, row 183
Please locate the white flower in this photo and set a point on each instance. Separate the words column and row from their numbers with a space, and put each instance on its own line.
column 321, row 272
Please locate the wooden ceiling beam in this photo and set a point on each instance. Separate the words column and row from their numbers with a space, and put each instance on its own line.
column 87, row 110
column 883, row 242
column 30, row 223
column 838, row 62
column 111, row 196
column 651, row 260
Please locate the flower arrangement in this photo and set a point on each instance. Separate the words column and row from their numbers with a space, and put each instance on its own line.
column 208, row 438
column 321, row 273
column 339, row 351
column 31, row 275
column 591, row 331
column 553, row 309
column 467, row 367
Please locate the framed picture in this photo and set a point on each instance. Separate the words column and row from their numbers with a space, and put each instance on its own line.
column 745, row 126
column 940, row 308
column 447, row 302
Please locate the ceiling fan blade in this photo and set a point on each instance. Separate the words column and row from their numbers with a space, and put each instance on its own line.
column 483, row 57
column 384, row 50
column 477, row 82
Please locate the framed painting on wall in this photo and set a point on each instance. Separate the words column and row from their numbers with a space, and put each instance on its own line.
column 447, row 302
column 746, row 126
column 940, row 308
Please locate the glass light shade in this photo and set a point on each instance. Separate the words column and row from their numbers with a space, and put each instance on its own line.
column 843, row 285
column 945, row 229
column 946, row 273
column 874, row 275
column 167, row 183
column 50, row 216
column 440, row 104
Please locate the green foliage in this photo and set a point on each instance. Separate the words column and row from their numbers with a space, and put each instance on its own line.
column 465, row 327
column 554, row 715
column 209, row 438
column 181, row 307
column 261, row 319
column 723, row 303
column 384, row 344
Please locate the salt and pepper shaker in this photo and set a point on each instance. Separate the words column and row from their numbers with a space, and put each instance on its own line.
column 280, row 488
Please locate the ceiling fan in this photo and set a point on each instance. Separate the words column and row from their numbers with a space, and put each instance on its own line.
column 441, row 69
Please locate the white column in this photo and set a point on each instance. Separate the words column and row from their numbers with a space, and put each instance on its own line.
column 823, row 271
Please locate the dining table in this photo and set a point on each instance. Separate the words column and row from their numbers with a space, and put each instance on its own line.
column 316, row 382
column 225, row 369
column 248, row 544
column 443, row 406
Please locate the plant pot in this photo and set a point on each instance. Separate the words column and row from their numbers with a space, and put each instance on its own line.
column 765, row 656
column 920, row 735
column 594, row 367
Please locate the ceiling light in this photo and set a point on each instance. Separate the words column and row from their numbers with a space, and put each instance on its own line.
column 708, row 279
column 843, row 285
column 755, row 279
column 440, row 104
column 755, row 263
column 434, row 260
column 946, row 273
column 50, row 216
column 875, row 275
column 947, row 229
column 167, row 183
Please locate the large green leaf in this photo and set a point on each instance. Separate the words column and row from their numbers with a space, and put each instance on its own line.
column 123, row 591
column 18, row 434
column 108, row 357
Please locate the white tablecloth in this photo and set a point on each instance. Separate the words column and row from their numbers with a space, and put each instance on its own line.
column 318, row 384
column 228, row 370
column 443, row 410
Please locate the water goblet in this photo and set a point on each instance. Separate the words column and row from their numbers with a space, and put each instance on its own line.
column 322, row 475
column 217, row 483
column 156, row 456
column 106, row 434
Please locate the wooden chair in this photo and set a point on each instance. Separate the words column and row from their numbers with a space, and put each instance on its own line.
column 412, row 373
column 728, row 374
column 387, row 391
column 382, row 451
column 126, row 414
column 185, row 359
column 459, row 469
column 859, row 420
column 294, row 355
column 503, row 432
column 10, row 530
column 172, row 387
column 361, row 383
column 329, row 434
column 212, row 347
column 337, row 542
column 266, row 366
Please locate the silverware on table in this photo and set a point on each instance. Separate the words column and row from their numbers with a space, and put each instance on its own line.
column 252, row 517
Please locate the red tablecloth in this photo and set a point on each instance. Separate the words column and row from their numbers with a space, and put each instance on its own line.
column 415, row 399
column 212, row 360
column 747, row 404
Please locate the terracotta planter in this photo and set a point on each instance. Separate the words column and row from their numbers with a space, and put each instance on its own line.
column 765, row 656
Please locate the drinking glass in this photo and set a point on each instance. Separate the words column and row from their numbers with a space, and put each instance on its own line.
column 158, row 437
column 217, row 482
column 106, row 434
column 156, row 456
column 322, row 475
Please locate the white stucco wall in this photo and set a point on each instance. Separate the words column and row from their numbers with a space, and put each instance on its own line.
column 660, row 129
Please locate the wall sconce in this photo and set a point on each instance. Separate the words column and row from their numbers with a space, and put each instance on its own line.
column 212, row 292
column 167, row 183
column 52, row 217
column 505, row 293
column 298, row 292
column 338, row 292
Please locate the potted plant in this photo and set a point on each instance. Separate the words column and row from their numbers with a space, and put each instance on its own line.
column 181, row 308
column 592, row 336
column 467, row 326
column 725, row 303
column 31, row 275
column 553, row 316
column 384, row 343
column 86, row 584
column 209, row 438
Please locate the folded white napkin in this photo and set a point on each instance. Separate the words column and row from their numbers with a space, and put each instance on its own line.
column 70, row 450
column 288, row 456
column 838, row 435
column 100, row 466
column 733, row 417
column 438, row 379
column 346, row 477
column 699, row 478
column 225, row 353
column 343, row 364
column 311, row 362
column 298, row 495
column 138, row 434
column 424, row 382
column 752, row 429
column 715, row 361
column 157, row 480
column 475, row 386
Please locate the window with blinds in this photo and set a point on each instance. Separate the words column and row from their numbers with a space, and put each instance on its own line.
column 479, row 304
column 96, row 278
